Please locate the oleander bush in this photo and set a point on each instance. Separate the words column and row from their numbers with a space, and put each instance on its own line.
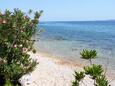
column 16, row 31
column 95, row 71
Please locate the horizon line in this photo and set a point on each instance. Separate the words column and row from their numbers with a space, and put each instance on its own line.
column 75, row 20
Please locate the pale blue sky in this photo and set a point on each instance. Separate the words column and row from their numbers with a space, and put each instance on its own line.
column 66, row 10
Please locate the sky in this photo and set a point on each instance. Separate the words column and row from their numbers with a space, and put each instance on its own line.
column 65, row 10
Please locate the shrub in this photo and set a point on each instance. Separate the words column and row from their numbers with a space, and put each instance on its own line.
column 16, row 30
column 94, row 70
column 88, row 54
column 78, row 77
column 75, row 83
column 101, row 81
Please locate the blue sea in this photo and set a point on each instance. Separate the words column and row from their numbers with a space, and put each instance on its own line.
column 66, row 39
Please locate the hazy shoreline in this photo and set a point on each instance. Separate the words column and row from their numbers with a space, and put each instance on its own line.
column 76, row 63
column 61, row 59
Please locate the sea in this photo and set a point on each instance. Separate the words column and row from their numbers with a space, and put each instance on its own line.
column 66, row 39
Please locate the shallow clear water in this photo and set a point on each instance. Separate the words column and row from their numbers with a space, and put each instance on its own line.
column 68, row 39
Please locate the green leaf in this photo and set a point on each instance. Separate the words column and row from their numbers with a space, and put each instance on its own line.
column 88, row 54
column 101, row 81
column 94, row 70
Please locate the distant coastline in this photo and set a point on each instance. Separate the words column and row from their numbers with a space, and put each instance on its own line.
column 109, row 20
column 99, row 22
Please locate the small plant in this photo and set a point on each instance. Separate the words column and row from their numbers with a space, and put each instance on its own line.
column 88, row 54
column 75, row 83
column 78, row 77
column 94, row 70
column 102, row 81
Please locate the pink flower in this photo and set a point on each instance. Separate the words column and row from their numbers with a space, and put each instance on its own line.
column 24, row 50
column 21, row 31
column 14, row 45
column 4, row 21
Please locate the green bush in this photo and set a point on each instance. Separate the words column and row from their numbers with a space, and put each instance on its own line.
column 101, row 81
column 88, row 54
column 78, row 77
column 75, row 83
column 95, row 71
column 16, row 30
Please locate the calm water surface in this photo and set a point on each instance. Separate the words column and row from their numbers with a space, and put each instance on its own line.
column 68, row 39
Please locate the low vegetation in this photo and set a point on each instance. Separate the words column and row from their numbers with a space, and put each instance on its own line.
column 95, row 71
column 88, row 54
